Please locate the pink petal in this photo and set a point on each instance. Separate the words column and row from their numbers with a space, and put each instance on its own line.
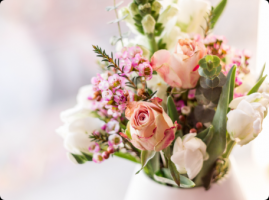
column 169, row 136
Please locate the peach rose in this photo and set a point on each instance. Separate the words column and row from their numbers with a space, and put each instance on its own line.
column 149, row 126
column 180, row 69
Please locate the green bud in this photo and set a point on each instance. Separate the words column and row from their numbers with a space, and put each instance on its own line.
column 169, row 12
column 145, row 9
column 148, row 23
column 141, row 1
column 156, row 6
column 133, row 9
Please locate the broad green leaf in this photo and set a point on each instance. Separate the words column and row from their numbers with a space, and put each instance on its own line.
column 212, row 83
column 261, row 74
column 257, row 86
column 206, row 135
column 79, row 158
column 171, row 109
column 203, row 114
column 212, row 94
column 146, row 156
column 218, row 143
column 174, row 173
column 127, row 156
column 217, row 12
column 88, row 157
column 186, row 183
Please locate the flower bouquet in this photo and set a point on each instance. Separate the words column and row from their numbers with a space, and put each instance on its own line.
column 175, row 98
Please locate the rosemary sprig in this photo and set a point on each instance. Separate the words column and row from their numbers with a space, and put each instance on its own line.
column 209, row 21
column 114, row 63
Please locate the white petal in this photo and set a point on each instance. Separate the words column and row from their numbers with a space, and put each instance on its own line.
column 179, row 160
column 178, row 146
column 193, row 163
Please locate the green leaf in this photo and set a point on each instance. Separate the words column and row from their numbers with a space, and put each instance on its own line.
column 218, row 143
column 257, row 86
column 217, row 12
column 261, row 74
column 145, row 157
column 174, row 173
column 154, row 164
column 127, row 156
column 203, row 114
column 171, row 109
column 88, row 157
column 79, row 158
column 186, row 183
column 212, row 94
column 207, row 139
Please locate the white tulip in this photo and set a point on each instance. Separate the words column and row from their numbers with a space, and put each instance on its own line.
column 189, row 154
column 245, row 121
column 191, row 15
column 83, row 96
column 79, row 125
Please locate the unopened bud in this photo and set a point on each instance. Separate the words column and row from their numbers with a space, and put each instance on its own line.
column 156, row 6
column 193, row 130
column 182, row 118
column 110, row 150
column 145, row 9
column 105, row 155
column 133, row 9
column 199, row 125
column 148, row 24
column 179, row 127
column 186, row 110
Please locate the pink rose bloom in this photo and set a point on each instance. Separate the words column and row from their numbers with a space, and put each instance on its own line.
column 180, row 69
column 150, row 127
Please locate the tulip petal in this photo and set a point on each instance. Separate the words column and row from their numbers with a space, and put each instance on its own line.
column 179, row 160
column 193, row 163
column 169, row 136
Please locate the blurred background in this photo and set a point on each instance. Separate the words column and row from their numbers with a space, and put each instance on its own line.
column 46, row 56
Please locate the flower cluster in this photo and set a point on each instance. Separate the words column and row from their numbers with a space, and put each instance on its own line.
column 111, row 91
column 131, row 59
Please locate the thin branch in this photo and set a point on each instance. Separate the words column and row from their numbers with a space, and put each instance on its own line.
column 116, row 12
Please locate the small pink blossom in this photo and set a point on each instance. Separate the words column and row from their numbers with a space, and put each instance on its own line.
column 112, row 127
column 115, row 81
column 97, row 158
column 191, row 94
column 107, row 95
column 119, row 97
column 126, row 65
column 145, row 70
column 114, row 140
column 179, row 104
column 94, row 148
column 104, row 85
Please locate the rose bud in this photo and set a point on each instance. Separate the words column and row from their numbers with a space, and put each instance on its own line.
column 149, row 126
column 105, row 155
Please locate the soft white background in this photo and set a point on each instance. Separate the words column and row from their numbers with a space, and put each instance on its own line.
column 45, row 56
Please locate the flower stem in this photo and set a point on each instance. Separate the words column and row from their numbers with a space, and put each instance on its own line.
column 117, row 16
column 229, row 149
column 163, row 159
column 152, row 43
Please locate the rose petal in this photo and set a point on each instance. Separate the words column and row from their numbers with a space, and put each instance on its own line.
column 169, row 136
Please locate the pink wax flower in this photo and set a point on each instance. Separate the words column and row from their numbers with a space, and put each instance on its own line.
column 103, row 85
column 150, row 127
column 114, row 140
column 191, row 94
column 179, row 104
column 120, row 97
column 179, row 69
column 236, row 95
column 238, row 81
column 97, row 158
column 115, row 81
column 126, row 65
column 145, row 70
column 94, row 148
column 112, row 127
column 107, row 95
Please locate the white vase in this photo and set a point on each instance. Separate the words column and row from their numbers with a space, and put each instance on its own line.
column 143, row 188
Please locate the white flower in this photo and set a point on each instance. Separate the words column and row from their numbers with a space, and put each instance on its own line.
column 189, row 154
column 158, row 84
column 191, row 15
column 112, row 127
column 186, row 110
column 78, row 126
column 245, row 121
column 114, row 140
column 83, row 96
column 170, row 12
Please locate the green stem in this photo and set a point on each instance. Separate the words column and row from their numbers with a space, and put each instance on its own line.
column 229, row 149
column 152, row 43
column 116, row 12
